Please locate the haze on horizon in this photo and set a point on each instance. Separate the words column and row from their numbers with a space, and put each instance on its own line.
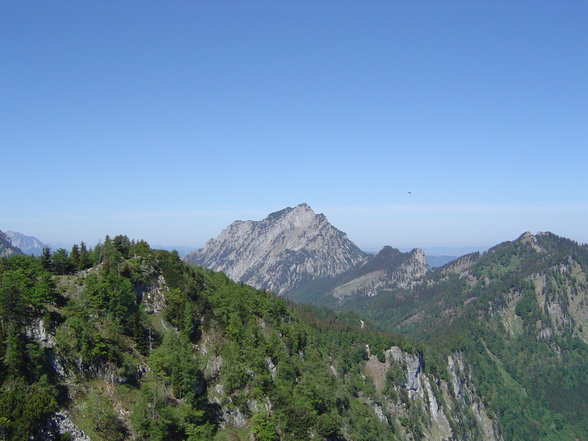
column 429, row 125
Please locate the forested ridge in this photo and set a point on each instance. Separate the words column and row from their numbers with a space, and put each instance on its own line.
column 128, row 342
column 121, row 341
column 519, row 313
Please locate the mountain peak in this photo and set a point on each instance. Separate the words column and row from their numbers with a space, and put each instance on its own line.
column 283, row 250
column 302, row 210
column 527, row 238
column 299, row 210
column 303, row 206
column 418, row 258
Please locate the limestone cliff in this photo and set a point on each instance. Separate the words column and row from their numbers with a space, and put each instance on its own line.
column 423, row 406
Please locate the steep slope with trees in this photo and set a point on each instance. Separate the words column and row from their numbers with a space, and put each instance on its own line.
column 125, row 342
column 519, row 314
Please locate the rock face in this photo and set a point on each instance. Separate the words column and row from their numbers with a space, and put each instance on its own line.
column 6, row 246
column 60, row 426
column 388, row 269
column 27, row 244
column 281, row 252
column 436, row 408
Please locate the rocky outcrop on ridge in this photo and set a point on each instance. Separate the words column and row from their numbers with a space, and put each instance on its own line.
column 412, row 399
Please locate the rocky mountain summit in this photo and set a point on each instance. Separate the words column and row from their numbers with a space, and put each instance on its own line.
column 281, row 252
column 6, row 246
column 27, row 244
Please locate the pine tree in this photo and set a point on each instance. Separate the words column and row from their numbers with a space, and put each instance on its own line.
column 74, row 257
column 85, row 261
column 46, row 260
column 61, row 262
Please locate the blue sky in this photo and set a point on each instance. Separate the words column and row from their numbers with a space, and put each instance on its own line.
column 168, row 120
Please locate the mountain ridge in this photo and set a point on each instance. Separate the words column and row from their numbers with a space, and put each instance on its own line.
column 27, row 244
column 298, row 253
column 519, row 312
column 141, row 345
column 388, row 269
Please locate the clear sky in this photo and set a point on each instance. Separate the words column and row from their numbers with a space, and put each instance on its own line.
column 409, row 123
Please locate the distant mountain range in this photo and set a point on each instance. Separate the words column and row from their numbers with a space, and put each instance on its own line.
column 543, row 262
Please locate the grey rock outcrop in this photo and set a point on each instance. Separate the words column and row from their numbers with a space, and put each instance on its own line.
column 60, row 426
column 281, row 252
column 438, row 407
column 153, row 296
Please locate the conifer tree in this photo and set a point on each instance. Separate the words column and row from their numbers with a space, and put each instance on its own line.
column 85, row 260
column 46, row 260
column 74, row 257
column 61, row 261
